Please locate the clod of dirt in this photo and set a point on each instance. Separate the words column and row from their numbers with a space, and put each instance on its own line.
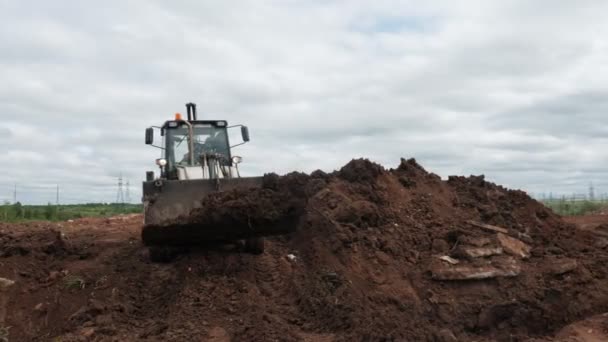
column 360, row 171
column 48, row 242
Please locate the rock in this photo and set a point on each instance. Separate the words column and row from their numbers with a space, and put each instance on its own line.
column 383, row 258
column 446, row 335
column 448, row 259
column 218, row 334
column 561, row 266
column 601, row 243
column 443, row 271
column 55, row 275
column 514, row 246
column 40, row 308
column 477, row 252
column 5, row 284
column 87, row 332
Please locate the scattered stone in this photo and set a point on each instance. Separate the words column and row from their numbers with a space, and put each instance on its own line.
column 601, row 243
column 441, row 271
column 218, row 334
column 40, row 308
column 514, row 246
column 87, row 332
column 446, row 335
column 5, row 284
column 488, row 227
column 477, row 252
column 449, row 259
column 383, row 258
column 561, row 266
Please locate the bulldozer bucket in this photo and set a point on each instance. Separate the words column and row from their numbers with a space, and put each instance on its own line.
column 167, row 202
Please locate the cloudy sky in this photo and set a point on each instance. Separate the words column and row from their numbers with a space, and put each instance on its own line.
column 516, row 90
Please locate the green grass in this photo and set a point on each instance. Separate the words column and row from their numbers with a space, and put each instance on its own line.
column 573, row 208
column 18, row 212
column 74, row 282
column 4, row 334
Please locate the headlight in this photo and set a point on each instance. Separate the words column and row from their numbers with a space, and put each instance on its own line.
column 161, row 161
column 237, row 159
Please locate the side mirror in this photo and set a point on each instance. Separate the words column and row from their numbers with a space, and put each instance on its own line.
column 149, row 136
column 245, row 133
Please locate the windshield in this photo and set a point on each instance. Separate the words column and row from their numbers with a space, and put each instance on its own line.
column 207, row 139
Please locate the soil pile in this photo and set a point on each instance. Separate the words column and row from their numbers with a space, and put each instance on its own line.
column 373, row 254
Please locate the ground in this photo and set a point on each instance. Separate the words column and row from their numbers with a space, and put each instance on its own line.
column 366, row 262
column 100, row 286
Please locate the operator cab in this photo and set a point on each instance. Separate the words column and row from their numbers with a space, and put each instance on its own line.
column 196, row 149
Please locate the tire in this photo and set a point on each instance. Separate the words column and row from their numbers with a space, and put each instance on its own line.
column 254, row 245
column 162, row 254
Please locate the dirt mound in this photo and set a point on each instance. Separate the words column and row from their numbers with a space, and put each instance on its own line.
column 47, row 241
column 372, row 254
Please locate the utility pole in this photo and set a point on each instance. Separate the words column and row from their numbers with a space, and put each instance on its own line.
column 57, row 196
column 15, row 194
column 591, row 192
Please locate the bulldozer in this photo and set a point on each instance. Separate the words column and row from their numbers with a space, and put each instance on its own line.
column 196, row 160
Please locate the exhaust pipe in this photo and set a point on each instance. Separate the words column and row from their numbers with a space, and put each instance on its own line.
column 191, row 110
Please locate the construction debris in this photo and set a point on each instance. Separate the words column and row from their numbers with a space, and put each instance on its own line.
column 514, row 246
column 476, row 252
column 449, row 259
column 442, row 271
column 519, row 235
column 488, row 227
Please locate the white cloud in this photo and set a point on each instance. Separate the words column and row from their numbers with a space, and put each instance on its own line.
column 512, row 89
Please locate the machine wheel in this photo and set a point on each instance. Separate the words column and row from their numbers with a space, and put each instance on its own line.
column 254, row 245
column 162, row 253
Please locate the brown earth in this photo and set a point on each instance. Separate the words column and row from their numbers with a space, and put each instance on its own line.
column 362, row 263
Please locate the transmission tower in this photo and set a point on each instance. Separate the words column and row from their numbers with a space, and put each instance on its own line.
column 119, row 194
column 128, row 192
column 15, row 194
column 591, row 192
